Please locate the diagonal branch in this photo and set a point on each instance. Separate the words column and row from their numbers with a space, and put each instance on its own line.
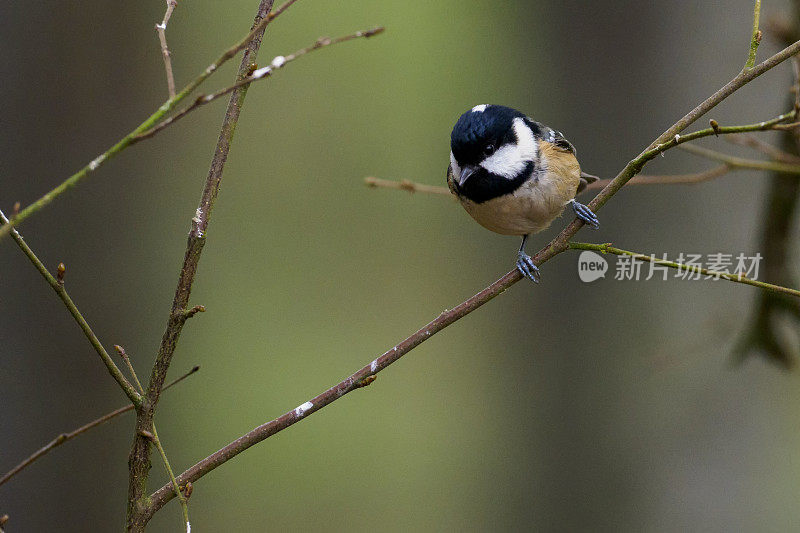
column 139, row 458
column 668, row 139
column 256, row 75
column 152, row 120
column 767, row 149
column 65, row 437
column 161, row 29
column 740, row 162
column 736, row 278
column 58, row 286
column 670, row 179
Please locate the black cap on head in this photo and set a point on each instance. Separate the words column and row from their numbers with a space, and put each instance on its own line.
column 479, row 127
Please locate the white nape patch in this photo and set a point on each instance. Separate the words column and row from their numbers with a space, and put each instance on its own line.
column 301, row 410
column 479, row 108
column 454, row 166
column 510, row 159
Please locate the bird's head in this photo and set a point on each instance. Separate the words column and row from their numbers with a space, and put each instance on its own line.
column 493, row 150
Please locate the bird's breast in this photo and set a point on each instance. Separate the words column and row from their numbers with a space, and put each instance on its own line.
column 534, row 205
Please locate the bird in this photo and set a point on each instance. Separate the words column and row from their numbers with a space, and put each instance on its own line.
column 514, row 175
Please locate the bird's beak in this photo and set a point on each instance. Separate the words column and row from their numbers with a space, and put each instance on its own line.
column 466, row 172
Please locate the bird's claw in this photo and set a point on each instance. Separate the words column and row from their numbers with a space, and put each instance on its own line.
column 527, row 267
column 585, row 214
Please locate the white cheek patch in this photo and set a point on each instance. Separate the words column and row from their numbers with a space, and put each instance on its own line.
column 454, row 166
column 510, row 159
column 479, row 108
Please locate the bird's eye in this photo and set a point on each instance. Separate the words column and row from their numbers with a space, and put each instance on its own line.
column 488, row 149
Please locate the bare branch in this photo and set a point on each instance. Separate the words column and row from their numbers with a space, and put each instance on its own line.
column 64, row 437
column 767, row 149
column 58, row 286
column 256, row 75
column 668, row 139
column 151, row 121
column 181, row 498
column 670, row 179
column 161, row 29
column 738, row 162
column 755, row 40
column 736, row 278
column 139, row 458
column 406, row 185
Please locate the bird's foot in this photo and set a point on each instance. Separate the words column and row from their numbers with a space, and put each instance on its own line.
column 527, row 267
column 585, row 214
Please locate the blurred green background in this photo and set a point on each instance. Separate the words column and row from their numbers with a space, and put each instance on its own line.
column 566, row 406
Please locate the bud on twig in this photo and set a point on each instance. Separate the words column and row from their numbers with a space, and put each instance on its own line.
column 714, row 126
column 60, row 271
column 187, row 490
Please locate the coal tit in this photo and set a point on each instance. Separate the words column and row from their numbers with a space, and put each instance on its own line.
column 513, row 175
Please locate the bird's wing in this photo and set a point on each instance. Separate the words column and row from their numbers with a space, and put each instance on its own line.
column 586, row 179
column 548, row 134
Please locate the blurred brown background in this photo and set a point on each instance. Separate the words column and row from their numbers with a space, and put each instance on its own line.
column 610, row 406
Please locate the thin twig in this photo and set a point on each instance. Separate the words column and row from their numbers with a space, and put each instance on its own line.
column 767, row 149
column 641, row 179
column 738, row 162
column 64, row 437
column 556, row 246
column 61, row 291
column 161, row 29
column 153, row 436
column 762, row 333
column 755, row 40
column 406, row 185
column 256, row 75
column 736, row 278
column 181, row 498
column 670, row 179
column 151, row 121
column 139, row 505
column 121, row 351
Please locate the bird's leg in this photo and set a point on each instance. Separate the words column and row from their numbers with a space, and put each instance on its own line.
column 585, row 214
column 525, row 264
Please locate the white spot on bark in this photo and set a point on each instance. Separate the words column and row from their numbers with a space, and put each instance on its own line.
column 96, row 162
column 301, row 410
column 260, row 73
column 374, row 366
column 278, row 62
